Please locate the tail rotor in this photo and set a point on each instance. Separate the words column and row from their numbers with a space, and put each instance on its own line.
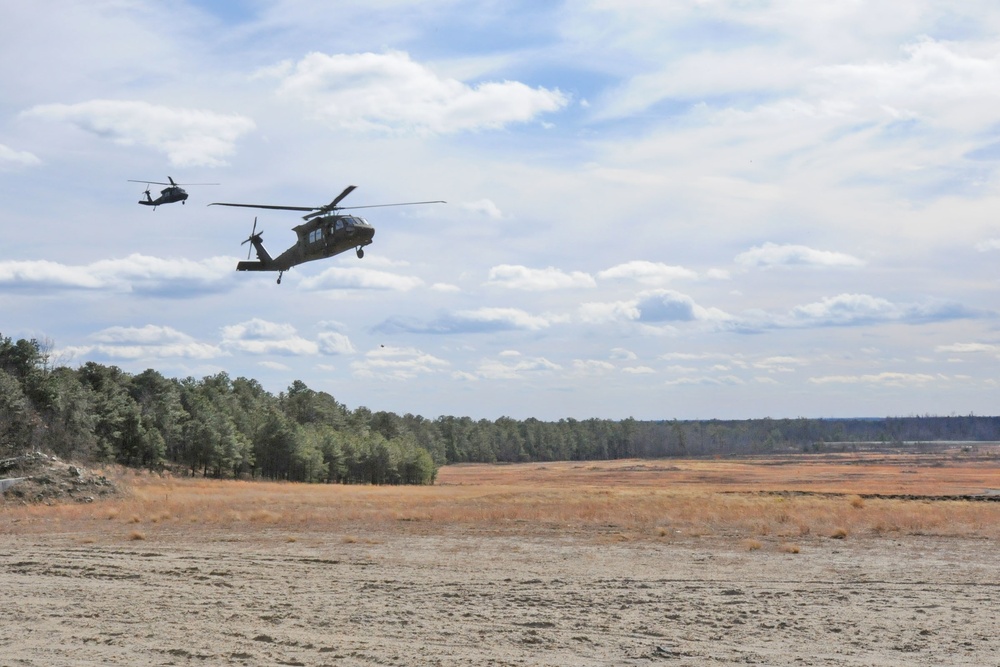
column 254, row 236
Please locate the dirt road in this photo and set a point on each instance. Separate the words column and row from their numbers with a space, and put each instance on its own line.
column 225, row 598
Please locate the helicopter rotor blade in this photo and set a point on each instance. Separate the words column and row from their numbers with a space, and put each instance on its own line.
column 408, row 203
column 170, row 183
column 348, row 190
column 279, row 208
column 332, row 206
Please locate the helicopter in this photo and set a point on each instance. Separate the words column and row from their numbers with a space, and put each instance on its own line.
column 168, row 195
column 324, row 234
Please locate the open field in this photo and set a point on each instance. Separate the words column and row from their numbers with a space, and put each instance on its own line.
column 609, row 563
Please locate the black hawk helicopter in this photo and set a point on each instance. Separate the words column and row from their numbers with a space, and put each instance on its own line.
column 168, row 195
column 324, row 234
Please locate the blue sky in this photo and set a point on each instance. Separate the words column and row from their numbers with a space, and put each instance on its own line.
column 698, row 209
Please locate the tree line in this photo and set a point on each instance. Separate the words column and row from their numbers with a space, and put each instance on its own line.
column 223, row 427
column 215, row 426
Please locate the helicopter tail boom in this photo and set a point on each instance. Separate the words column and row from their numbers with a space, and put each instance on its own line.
column 252, row 266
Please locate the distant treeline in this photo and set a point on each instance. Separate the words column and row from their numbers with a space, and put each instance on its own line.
column 220, row 427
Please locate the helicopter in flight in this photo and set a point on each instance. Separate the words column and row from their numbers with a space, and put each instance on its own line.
column 324, row 234
column 168, row 195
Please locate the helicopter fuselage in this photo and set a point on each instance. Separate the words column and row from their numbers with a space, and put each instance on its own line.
column 318, row 238
column 167, row 196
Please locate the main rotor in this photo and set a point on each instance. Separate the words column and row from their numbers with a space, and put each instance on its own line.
column 171, row 183
column 332, row 207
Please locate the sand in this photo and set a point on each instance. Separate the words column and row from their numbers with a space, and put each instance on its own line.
column 447, row 597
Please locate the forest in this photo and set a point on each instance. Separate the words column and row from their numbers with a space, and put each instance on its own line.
column 221, row 427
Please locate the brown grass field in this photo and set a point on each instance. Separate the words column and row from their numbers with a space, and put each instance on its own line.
column 629, row 499
column 771, row 560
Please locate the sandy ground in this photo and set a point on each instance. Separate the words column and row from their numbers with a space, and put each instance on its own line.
column 222, row 598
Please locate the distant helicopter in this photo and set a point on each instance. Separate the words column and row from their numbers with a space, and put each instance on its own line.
column 168, row 195
column 325, row 233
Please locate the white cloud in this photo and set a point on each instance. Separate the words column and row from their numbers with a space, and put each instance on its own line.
column 779, row 364
column 498, row 370
column 337, row 278
column 718, row 274
column 189, row 137
column 523, row 278
column 724, row 380
column 335, row 343
column 390, row 92
column 935, row 79
column 654, row 307
column 397, row 363
column 259, row 336
column 135, row 273
column 888, row 379
column 638, row 370
column 592, row 367
column 649, row 273
column 478, row 320
column 772, row 255
column 11, row 157
column 45, row 274
column 622, row 354
column 969, row 348
column 513, row 318
column 671, row 306
column 146, row 335
column 483, row 207
column 855, row 309
column 148, row 342
column 274, row 366
column 598, row 313
column 988, row 245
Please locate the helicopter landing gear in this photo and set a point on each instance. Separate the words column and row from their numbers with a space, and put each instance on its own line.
column 280, row 273
column 361, row 252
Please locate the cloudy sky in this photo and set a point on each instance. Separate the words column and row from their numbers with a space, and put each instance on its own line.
column 690, row 209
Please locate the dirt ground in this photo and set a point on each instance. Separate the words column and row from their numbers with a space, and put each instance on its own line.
column 224, row 598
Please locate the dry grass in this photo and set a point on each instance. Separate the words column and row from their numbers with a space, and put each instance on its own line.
column 619, row 500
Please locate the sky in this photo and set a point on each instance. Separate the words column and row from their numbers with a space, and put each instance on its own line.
column 681, row 210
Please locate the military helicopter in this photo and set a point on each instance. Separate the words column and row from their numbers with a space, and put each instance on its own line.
column 324, row 234
column 168, row 195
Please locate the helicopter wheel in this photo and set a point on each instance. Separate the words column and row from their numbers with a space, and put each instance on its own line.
column 361, row 253
column 279, row 276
